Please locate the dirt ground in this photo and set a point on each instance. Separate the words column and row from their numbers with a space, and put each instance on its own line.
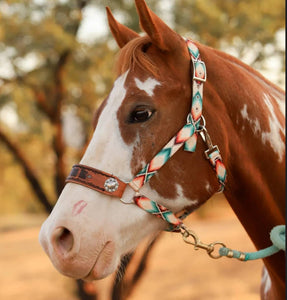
column 175, row 271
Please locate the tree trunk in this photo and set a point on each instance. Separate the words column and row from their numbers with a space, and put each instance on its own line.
column 28, row 171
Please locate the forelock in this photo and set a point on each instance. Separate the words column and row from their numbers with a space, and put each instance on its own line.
column 133, row 54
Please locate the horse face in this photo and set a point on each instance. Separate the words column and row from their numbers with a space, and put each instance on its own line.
column 87, row 233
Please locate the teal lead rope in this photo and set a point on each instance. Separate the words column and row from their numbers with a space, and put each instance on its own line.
column 277, row 236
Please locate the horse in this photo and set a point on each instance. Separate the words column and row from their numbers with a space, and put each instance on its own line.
column 147, row 155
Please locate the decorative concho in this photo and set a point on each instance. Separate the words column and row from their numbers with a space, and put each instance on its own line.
column 111, row 185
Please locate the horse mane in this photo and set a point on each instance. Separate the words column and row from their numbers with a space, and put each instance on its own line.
column 133, row 54
column 237, row 62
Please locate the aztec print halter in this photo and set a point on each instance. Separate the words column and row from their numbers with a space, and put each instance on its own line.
column 187, row 136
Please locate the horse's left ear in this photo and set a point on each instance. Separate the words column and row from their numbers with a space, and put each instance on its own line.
column 121, row 33
column 161, row 35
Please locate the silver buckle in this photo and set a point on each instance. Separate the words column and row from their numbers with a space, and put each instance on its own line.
column 211, row 150
column 196, row 64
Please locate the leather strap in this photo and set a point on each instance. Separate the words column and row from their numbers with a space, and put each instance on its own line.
column 97, row 180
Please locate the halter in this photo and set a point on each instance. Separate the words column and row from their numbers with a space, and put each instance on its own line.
column 187, row 137
column 113, row 186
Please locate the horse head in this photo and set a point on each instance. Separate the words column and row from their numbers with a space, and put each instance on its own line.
column 138, row 163
column 88, row 232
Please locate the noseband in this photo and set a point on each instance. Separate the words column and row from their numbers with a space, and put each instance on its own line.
column 111, row 185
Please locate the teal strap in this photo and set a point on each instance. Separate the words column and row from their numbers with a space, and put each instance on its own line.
column 277, row 236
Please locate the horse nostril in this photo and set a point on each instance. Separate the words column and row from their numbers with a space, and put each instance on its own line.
column 63, row 239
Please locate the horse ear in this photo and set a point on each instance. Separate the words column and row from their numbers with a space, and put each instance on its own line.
column 121, row 33
column 162, row 36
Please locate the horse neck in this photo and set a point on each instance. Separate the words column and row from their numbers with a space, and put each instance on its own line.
column 243, row 116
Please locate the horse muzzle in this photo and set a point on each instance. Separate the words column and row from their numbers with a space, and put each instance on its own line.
column 75, row 257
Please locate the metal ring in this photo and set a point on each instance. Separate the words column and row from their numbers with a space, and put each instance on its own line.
column 215, row 256
column 201, row 127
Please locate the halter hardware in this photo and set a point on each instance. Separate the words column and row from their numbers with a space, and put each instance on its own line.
column 111, row 185
column 199, row 71
column 195, row 241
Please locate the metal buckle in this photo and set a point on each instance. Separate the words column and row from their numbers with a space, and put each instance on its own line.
column 197, row 65
column 211, row 150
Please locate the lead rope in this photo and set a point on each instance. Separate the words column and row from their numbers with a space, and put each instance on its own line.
column 277, row 236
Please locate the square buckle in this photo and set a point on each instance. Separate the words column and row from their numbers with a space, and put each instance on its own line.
column 214, row 150
column 199, row 71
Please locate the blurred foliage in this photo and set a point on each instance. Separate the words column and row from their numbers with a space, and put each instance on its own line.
column 34, row 35
column 214, row 21
column 247, row 29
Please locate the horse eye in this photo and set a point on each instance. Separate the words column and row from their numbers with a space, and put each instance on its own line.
column 140, row 115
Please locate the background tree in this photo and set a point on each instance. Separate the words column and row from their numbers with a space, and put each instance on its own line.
column 51, row 81
column 253, row 31
column 50, row 72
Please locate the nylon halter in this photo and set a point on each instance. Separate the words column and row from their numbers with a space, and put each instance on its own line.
column 186, row 137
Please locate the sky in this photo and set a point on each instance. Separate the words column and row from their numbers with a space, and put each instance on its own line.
column 95, row 24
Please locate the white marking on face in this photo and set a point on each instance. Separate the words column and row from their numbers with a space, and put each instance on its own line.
column 107, row 151
column 147, row 86
column 174, row 204
column 274, row 135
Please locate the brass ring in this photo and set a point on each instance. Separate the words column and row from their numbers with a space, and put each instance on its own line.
column 215, row 256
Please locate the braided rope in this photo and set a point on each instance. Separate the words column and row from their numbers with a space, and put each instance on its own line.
column 277, row 236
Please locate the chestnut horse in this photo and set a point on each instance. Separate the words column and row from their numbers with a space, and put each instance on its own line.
column 90, row 229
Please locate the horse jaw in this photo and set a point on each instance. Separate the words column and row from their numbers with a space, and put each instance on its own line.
column 100, row 228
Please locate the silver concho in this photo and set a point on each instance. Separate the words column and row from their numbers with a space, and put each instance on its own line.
column 111, row 185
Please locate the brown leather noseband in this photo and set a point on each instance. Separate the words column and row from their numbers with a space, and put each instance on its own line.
column 97, row 180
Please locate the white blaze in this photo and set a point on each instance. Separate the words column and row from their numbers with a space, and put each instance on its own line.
column 107, row 151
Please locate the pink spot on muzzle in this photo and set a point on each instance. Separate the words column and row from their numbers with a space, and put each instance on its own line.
column 78, row 207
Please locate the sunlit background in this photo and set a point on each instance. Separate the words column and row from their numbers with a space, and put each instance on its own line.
column 56, row 66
